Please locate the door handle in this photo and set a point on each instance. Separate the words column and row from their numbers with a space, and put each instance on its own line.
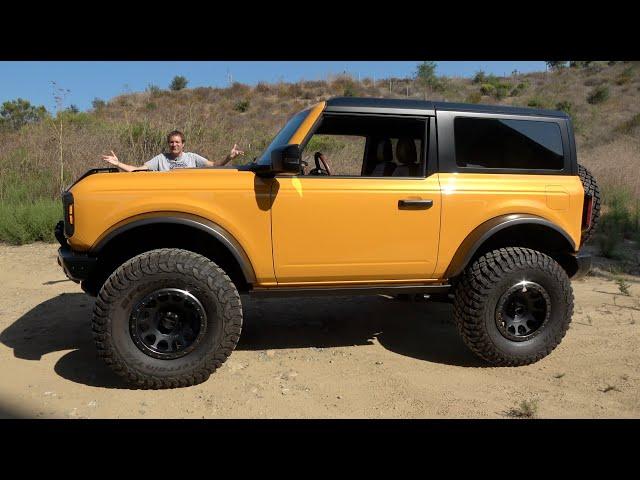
column 415, row 204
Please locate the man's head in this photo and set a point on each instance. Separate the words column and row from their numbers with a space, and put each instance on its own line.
column 175, row 142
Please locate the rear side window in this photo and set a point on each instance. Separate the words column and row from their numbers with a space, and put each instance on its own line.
column 508, row 144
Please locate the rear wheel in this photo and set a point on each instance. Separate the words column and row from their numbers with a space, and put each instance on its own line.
column 167, row 318
column 513, row 306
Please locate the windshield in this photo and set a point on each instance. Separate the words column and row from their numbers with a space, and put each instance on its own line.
column 283, row 136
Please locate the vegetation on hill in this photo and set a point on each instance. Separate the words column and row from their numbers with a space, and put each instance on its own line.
column 45, row 152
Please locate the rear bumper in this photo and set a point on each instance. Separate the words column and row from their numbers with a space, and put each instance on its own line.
column 583, row 262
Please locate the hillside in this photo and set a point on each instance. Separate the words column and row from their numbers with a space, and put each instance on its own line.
column 602, row 99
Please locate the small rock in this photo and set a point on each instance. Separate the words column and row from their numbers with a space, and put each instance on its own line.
column 92, row 404
column 72, row 413
column 339, row 397
column 285, row 391
column 379, row 363
column 271, row 353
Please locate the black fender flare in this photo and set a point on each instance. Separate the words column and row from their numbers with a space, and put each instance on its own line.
column 486, row 230
column 195, row 221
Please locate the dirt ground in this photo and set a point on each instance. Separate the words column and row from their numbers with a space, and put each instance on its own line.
column 323, row 357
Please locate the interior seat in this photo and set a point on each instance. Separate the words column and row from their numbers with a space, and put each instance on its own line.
column 384, row 159
column 407, row 155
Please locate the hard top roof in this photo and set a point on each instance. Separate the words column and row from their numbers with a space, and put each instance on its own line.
column 354, row 103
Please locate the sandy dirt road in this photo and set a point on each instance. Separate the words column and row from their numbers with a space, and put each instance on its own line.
column 330, row 357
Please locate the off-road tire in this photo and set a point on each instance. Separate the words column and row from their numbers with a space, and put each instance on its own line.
column 148, row 272
column 590, row 188
column 479, row 290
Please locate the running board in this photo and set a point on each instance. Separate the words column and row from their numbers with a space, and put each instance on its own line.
column 346, row 291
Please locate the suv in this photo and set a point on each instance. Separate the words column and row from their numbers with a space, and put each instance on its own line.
column 484, row 206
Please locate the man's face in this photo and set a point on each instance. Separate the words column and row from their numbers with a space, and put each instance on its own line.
column 175, row 145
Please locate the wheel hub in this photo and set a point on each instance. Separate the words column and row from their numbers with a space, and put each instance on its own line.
column 168, row 323
column 522, row 311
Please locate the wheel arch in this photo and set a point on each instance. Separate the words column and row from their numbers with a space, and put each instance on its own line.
column 515, row 230
column 150, row 231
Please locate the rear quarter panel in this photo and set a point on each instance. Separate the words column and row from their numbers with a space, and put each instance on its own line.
column 471, row 199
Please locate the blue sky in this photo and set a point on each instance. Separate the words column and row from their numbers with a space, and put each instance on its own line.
column 105, row 80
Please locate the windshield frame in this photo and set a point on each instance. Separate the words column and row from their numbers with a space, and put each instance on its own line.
column 293, row 131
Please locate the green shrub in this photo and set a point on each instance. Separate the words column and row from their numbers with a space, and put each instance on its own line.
column 537, row 102
column 241, row 106
column 487, row 89
column 153, row 89
column 151, row 106
column 29, row 222
column 324, row 143
column 16, row 113
column 178, row 83
column 480, row 77
column 625, row 76
column 598, row 95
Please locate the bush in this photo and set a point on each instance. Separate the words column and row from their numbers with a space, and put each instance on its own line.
column 263, row 87
column 620, row 219
column 474, row 97
column 598, row 95
column 537, row 102
column 241, row 106
column 98, row 104
column 154, row 89
column 178, row 83
column 487, row 89
column 630, row 125
column 17, row 113
column 625, row 76
column 480, row 77
column 29, row 222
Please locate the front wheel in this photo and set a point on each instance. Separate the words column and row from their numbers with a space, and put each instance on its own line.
column 167, row 318
column 513, row 306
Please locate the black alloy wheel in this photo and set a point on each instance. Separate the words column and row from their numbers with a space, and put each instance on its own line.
column 168, row 323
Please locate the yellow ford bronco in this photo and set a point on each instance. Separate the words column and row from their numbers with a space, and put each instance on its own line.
column 484, row 206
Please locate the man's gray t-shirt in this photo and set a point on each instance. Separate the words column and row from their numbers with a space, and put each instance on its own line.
column 164, row 163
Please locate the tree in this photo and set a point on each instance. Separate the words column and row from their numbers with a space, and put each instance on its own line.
column 98, row 103
column 16, row 113
column 178, row 83
column 426, row 76
column 554, row 65
column 73, row 108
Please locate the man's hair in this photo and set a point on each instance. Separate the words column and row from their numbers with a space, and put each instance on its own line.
column 175, row 133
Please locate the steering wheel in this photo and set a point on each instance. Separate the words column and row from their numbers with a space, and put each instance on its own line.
column 320, row 170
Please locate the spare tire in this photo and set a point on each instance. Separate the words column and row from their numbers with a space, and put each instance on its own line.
column 590, row 188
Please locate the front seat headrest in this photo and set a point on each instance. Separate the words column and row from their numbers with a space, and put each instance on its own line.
column 384, row 151
column 406, row 151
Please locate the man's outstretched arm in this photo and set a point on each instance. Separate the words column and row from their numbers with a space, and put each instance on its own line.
column 113, row 160
column 235, row 151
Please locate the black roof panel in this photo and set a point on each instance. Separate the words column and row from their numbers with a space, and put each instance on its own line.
column 399, row 103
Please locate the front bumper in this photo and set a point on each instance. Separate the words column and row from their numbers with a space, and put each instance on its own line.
column 77, row 266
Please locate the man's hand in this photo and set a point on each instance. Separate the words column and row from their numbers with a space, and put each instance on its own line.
column 234, row 151
column 112, row 159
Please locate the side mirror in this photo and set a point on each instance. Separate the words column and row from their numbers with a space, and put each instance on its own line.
column 286, row 159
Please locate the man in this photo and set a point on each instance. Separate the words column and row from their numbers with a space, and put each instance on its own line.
column 175, row 158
